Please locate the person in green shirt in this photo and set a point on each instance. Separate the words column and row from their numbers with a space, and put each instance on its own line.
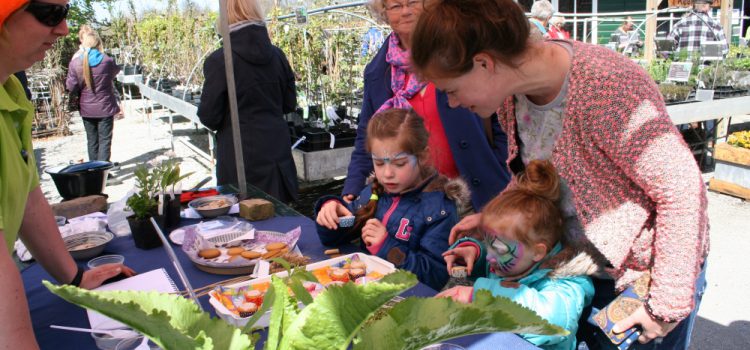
column 27, row 30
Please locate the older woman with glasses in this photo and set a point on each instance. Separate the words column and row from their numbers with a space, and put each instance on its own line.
column 461, row 144
column 27, row 30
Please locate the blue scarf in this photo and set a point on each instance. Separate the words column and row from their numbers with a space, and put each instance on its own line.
column 95, row 57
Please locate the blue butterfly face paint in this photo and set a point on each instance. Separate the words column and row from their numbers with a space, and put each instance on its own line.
column 398, row 160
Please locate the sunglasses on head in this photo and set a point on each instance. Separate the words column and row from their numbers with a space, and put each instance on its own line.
column 48, row 14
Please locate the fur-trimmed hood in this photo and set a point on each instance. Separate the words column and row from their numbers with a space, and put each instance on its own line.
column 455, row 189
column 571, row 261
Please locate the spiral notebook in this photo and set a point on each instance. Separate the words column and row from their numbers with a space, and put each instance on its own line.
column 155, row 280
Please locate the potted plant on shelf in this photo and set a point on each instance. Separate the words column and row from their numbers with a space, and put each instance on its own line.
column 353, row 315
column 144, row 205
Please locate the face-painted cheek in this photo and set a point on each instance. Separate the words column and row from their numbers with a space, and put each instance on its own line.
column 504, row 263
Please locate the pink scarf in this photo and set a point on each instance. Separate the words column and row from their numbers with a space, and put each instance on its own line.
column 400, row 63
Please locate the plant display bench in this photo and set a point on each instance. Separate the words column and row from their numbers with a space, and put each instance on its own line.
column 732, row 173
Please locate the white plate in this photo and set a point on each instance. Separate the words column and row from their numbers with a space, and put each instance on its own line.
column 177, row 236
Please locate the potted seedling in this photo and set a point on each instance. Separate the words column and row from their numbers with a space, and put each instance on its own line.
column 144, row 205
column 168, row 176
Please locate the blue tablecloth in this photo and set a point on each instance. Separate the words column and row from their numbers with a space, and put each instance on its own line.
column 47, row 309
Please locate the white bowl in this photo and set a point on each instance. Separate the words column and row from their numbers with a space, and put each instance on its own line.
column 197, row 204
column 87, row 245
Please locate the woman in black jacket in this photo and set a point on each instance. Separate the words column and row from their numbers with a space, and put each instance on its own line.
column 265, row 92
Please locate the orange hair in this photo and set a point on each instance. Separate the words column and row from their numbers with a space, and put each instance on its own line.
column 534, row 197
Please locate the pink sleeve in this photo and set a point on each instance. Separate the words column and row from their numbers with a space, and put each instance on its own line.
column 653, row 155
column 375, row 248
column 471, row 244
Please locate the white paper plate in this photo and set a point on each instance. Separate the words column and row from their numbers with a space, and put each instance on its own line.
column 177, row 236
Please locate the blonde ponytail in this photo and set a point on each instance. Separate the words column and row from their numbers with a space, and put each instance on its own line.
column 90, row 41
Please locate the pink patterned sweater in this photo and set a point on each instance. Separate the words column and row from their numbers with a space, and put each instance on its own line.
column 637, row 189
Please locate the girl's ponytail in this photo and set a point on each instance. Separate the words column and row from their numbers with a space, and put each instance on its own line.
column 88, row 78
column 540, row 179
column 535, row 196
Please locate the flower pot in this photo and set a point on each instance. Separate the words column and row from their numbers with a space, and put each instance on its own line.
column 144, row 234
column 171, row 209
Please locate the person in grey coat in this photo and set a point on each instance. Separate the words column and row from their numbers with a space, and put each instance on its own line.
column 265, row 92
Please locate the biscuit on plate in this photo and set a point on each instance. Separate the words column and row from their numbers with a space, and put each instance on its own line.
column 275, row 246
column 209, row 253
column 235, row 250
column 249, row 254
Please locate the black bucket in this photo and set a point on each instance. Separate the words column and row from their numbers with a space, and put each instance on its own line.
column 80, row 180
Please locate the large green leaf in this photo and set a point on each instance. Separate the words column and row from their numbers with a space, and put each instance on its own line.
column 284, row 310
column 171, row 321
column 335, row 316
column 416, row 322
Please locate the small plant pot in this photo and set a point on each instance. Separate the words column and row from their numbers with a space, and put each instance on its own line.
column 171, row 211
column 144, row 234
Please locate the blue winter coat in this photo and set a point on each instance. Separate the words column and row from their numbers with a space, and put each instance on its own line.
column 418, row 226
column 560, row 299
column 482, row 166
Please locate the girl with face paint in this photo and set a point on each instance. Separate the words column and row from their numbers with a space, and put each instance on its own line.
column 522, row 255
column 405, row 214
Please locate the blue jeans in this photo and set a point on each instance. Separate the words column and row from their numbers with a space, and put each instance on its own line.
column 678, row 338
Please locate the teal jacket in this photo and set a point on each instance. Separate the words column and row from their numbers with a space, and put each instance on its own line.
column 559, row 299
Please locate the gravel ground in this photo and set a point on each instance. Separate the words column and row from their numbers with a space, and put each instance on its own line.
column 138, row 138
column 724, row 316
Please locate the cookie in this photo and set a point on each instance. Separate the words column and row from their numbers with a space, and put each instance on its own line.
column 209, row 253
column 275, row 246
column 249, row 254
column 235, row 250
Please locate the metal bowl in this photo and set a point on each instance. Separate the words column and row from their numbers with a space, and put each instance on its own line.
column 202, row 205
column 87, row 245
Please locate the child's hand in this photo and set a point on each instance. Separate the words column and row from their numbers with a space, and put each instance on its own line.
column 329, row 213
column 373, row 233
column 468, row 223
column 461, row 294
column 466, row 254
column 348, row 198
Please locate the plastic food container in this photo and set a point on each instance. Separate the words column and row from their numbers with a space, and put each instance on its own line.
column 373, row 263
column 106, row 259
column 107, row 342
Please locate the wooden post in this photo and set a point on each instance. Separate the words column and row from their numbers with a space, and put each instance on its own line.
column 232, row 92
column 726, row 19
column 650, row 45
